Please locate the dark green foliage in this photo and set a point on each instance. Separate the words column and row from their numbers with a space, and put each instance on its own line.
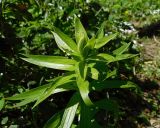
column 78, row 76
column 29, row 27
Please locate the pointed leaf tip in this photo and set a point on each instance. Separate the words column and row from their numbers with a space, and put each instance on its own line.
column 64, row 42
column 103, row 41
column 80, row 34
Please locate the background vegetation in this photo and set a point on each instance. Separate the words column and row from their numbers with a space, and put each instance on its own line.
column 25, row 28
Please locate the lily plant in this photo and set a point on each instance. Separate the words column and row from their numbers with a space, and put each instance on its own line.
column 86, row 70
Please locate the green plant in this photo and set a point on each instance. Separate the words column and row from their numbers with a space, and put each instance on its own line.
column 87, row 71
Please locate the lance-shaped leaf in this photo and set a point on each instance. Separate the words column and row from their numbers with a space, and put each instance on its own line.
column 64, row 42
column 34, row 94
column 107, row 57
column 37, row 93
column 102, row 41
column 89, row 46
column 81, row 70
column 80, row 32
column 70, row 112
column 81, row 36
column 83, row 84
column 84, row 91
column 125, row 56
column 23, row 102
column 2, row 102
column 100, row 32
column 55, row 62
column 29, row 94
column 97, row 85
column 81, row 46
column 122, row 49
column 57, row 83
column 110, row 58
